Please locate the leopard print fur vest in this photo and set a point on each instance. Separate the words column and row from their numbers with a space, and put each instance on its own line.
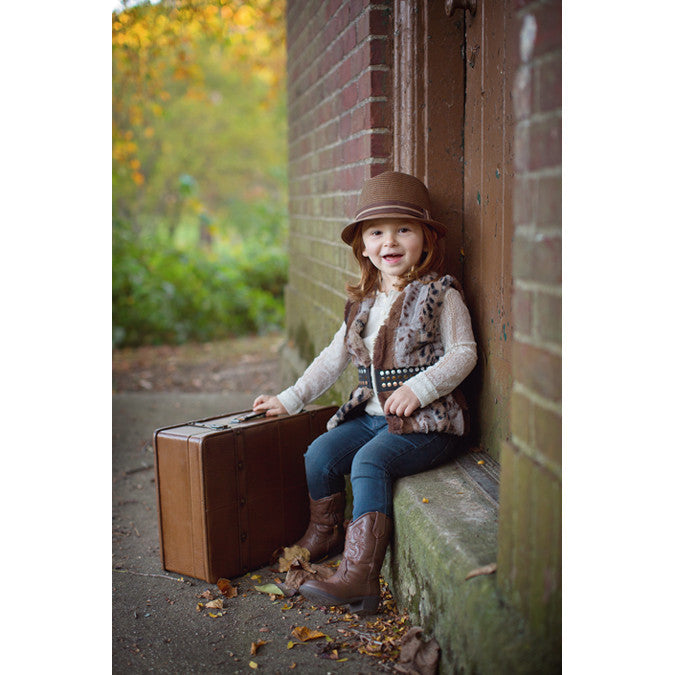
column 409, row 336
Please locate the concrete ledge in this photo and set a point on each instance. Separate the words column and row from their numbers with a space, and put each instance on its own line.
column 435, row 546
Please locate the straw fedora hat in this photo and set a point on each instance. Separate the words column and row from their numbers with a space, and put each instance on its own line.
column 393, row 195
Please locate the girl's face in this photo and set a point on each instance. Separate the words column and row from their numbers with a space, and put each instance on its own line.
column 393, row 246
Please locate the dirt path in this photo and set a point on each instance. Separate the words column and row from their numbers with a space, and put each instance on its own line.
column 247, row 365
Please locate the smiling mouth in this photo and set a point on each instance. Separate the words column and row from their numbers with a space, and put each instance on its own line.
column 392, row 257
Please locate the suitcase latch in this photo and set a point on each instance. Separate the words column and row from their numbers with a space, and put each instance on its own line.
column 228, row 424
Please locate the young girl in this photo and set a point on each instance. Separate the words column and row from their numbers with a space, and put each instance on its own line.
column 408, row 331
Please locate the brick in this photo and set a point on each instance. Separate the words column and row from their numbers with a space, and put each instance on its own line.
column 362, row 27
column 359, row 119
column 548, row 212
column 380, row 145
column 348, row 97
column 523, row 310
column 549, row 317
column 548, row 434
column 379, row 83
column 545, row 143
column 345, row 125
column 344, row 73
column 378, row 52
column 379, row 22
column 522, row 257
column 359, row 61
column 537, row 260
column 348, row 40
column 547, row 258
column 354, row 150
column 538, row 370
column 548, row 16
column 380, row 114
column 549, row 85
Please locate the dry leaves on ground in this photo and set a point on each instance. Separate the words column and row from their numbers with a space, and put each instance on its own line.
column 295, row 562
column 226, row 588
column 255, row 646
column 304, row 634
column 418, row 656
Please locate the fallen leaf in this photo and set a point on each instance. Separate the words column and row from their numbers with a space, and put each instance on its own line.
column 200, row 606
column 293, row 665
column 290, row 554
column 303, row 633
column 207, row 595
column 253, row 664
column 272, row 589
column 417, row 655
column 255, row 577
column 290, row 644
column 300, row 572
column 486, row 569
column 215, row 604
column 256, row 645
column 425, row 500
column 480, row 461
column 226, row 588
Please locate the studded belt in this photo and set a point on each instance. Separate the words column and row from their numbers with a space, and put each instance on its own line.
column 387, row 380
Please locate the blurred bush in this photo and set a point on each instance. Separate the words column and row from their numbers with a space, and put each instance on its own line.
column 164, row 294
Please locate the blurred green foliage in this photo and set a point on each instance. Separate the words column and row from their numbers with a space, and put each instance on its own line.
column 199, row 170
column 164, row 294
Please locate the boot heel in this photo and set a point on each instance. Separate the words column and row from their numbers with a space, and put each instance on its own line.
column 366, row 605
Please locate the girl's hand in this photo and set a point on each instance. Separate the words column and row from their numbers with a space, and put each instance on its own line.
column 270, row 404
column 402, row 402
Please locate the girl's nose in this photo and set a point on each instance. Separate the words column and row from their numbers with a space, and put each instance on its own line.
column 390, row 237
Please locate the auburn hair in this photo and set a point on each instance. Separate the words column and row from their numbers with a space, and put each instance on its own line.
column 431, row 262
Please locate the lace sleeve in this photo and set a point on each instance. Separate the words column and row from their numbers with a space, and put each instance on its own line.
column 319, row 376
column 460, row 353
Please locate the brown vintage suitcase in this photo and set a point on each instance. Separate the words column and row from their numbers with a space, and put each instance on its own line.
column 231, row 490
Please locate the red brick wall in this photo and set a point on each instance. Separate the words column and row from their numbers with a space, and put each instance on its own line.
column 530, row 490
column 339, row 135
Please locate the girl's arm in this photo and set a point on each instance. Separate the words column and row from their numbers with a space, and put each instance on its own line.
column 318, row 378
column 460, row 353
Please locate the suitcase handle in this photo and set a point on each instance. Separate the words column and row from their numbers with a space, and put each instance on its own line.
column 232, row 422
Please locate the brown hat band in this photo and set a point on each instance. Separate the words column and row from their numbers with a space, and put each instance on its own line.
column 391, row 207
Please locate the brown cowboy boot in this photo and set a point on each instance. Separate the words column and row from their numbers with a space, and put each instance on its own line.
column 357, row 580
column 325, row 534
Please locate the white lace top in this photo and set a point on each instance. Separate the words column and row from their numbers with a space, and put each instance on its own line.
column 436, row 381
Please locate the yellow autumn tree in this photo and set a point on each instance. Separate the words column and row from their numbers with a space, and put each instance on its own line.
column 183, row 70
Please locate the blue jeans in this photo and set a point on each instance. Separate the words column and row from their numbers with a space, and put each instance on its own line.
column 375, row 458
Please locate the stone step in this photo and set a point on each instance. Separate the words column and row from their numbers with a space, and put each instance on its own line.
column 445, row 526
